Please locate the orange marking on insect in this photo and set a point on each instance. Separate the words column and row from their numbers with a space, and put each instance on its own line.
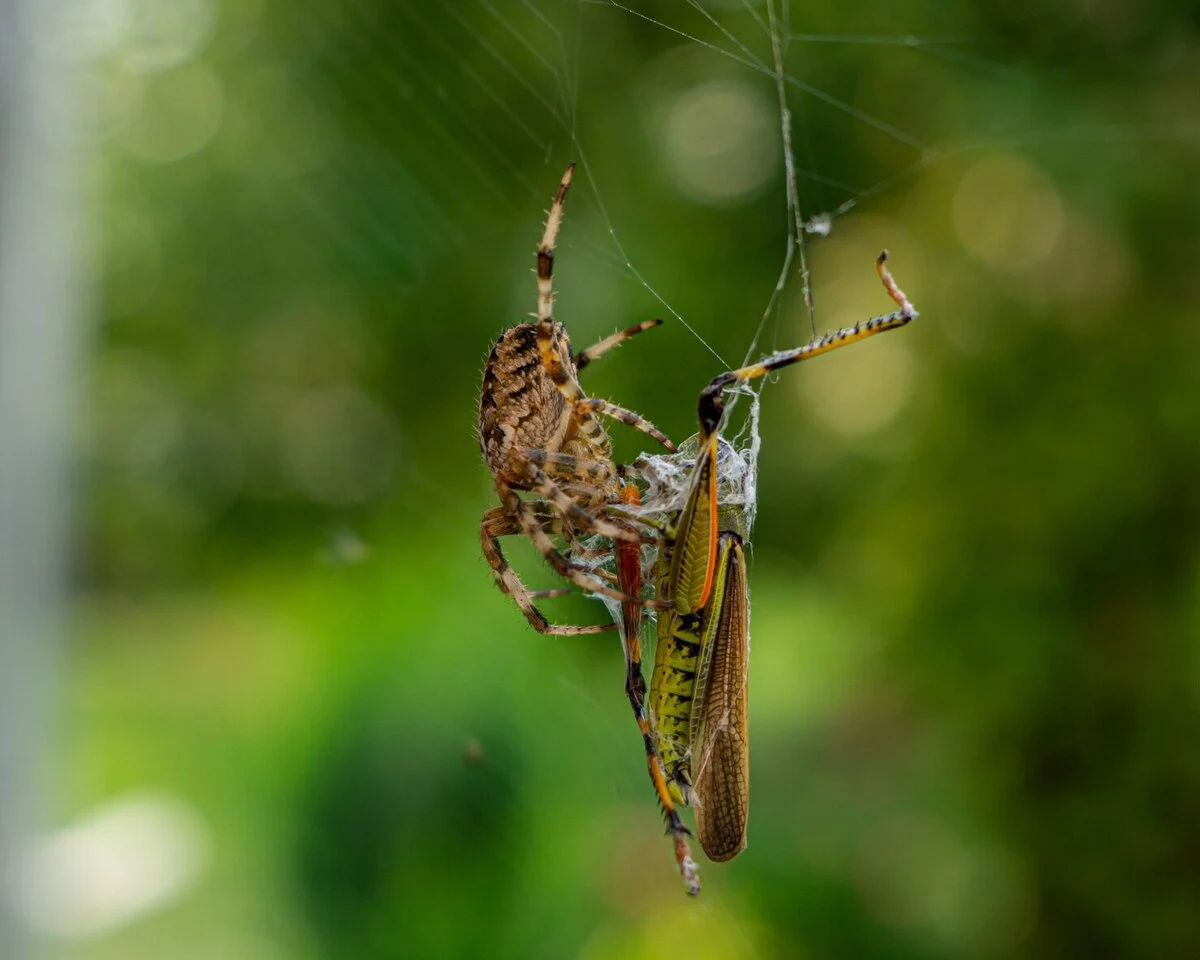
column 710, row 571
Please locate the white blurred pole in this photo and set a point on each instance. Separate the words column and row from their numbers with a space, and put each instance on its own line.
column 39, row 339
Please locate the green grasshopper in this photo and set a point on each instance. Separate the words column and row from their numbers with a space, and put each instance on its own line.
column 696, row 732
column 698, row 692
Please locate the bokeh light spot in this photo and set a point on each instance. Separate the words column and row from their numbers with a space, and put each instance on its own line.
column 720, row 142
column 1007, row 213
column 179, row 114
column 161, row 35
column 127, row 859
column 854, row 395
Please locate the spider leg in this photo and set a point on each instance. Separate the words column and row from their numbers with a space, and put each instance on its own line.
column 552, row 345
column 581, row 552
column 596, row 405
column 501, row 524
column 571, row 511
column 567, row 466
column 548, row 342
column 545, row 254
column 597, row 350
column 712, row 403
column 496, row 523
column 527, row 520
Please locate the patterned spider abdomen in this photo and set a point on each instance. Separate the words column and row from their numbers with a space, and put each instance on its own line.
column 521, row 407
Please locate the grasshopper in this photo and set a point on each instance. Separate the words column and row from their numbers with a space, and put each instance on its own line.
column 695, row 728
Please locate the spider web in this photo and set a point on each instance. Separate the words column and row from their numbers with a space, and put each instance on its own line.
column 716, row 72
column 772, row 93
column 667, row 478
column 538, row 49
column 737, row 103
column 416, row 141
column 763, row 89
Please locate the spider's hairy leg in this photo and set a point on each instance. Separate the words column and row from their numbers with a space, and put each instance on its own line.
column 545, row 253
column 579, row 551
column 552, row 344
column 527, row 520
column 552, row 363
column 567, row 466
column 550, row 593
column 501, row 524
column 497, row 523
column 712, row 403
column 597, row 350
column 596, row 405
column 540, row 483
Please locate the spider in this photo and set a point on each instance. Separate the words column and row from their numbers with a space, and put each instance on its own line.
column 541, row 434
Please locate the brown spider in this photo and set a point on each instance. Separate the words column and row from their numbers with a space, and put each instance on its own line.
column 540, row 433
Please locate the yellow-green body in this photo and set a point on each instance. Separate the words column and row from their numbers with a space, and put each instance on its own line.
column 698, row 695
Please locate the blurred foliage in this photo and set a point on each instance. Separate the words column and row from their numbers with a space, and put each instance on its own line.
column 976, row 577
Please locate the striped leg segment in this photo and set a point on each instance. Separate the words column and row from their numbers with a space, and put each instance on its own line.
column 527, row 519
column 596, row 405
column 597, row 350
column 712, row 403
column 548, row 346
column 498, row 523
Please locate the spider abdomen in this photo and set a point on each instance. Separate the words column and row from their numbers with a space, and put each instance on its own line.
column 521, row 407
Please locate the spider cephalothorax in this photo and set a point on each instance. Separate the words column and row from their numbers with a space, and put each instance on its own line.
column 540, row 433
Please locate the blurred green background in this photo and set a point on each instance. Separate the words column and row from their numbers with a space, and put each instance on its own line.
column 976, row 571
